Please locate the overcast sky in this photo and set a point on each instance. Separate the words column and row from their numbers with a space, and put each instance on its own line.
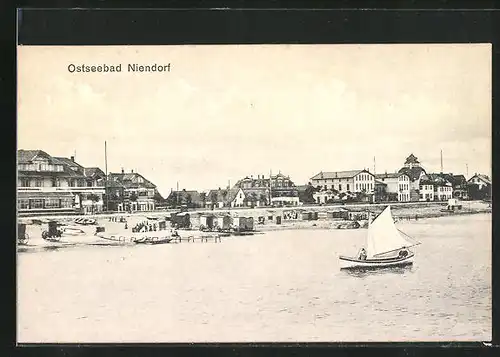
column 224, row 112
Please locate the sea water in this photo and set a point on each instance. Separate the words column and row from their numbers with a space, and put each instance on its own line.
column 280, row 286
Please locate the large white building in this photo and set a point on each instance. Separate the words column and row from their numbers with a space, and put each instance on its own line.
column 345, row 181
column 47, row 184
column 413, row 168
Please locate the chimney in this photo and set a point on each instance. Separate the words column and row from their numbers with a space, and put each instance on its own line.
column 73, row 158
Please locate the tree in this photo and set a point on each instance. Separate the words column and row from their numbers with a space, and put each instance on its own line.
column 189, row 199
column 224, row 195
column 253, row 198
column 203, row 197
column 213, row 198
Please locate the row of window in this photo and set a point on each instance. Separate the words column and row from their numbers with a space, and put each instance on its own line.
column 55, row 182
column 363, row 177
column 40, row 167
column 44, row 203
column 404, row 187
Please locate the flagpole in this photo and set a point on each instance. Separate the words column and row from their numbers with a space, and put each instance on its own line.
column 106, row 179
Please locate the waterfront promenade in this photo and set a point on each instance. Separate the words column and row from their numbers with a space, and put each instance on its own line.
column 403, row 209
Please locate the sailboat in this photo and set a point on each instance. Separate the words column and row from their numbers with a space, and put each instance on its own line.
column 385, row 246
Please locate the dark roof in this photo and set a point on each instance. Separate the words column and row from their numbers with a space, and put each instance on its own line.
column 436, row 179
column 413, row 173
column 389, row 175
column 484, row 178
column 338, row 174
column 184, row 194
column 261, row 181
column 226, row 196
column 412, row 159
column 377, row 182
column 93, row 171
column 114, row 184
column 27, row 156
column 131, row 180
column 69, row 162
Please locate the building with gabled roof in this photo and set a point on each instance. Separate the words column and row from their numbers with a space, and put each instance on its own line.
column 480, row 180
column 188, row 198
column 351, row 181
column 479, row 187
column 435, row 187
column 138, row 192
column 276, row 189
column 234, row 197
column 413, row 168
column 48, row 184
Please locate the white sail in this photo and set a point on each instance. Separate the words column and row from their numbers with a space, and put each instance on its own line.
column 383, row 236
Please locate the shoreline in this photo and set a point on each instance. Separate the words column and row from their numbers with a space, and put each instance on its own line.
column 246, row 211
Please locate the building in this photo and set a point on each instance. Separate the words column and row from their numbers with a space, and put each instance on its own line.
column 480, row 180
column 381, row 194
column 306, row 193
column 398, row 184
column 48, row 184
column 479, row 187
column 459, row 183
column 188, row 198
column 345, row 181
column 442, row 189
column 413, row 168
column 325, row 196
column 139, row 194
column 276, row 189
column 226, row 198
column 426, row 190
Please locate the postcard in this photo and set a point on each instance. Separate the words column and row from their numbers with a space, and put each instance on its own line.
column 254, row 193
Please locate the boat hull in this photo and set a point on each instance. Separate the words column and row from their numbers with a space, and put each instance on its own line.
column 354, row 263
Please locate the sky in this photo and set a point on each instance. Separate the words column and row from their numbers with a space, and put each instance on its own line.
column 229, row 111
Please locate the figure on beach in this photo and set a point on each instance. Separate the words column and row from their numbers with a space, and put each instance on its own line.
column 362, row 254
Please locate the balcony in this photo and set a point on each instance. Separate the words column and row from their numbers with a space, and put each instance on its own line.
column 82, row 189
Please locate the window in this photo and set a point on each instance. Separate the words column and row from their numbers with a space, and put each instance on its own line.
column 66, row 203
column 38, row 183
column 36, row 203
column 348, row 188
column 25, row 182
column 23, row 203
column 52, row 203
column 340, row 187
column 72, row 183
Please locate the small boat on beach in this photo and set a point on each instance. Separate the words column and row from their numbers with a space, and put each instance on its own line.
column 385, row 246
column 72, row 231
column 85, row 221
column 152, row 240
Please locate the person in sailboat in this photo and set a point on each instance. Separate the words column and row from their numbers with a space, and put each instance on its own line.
column 403, row 253
column 362, row 254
